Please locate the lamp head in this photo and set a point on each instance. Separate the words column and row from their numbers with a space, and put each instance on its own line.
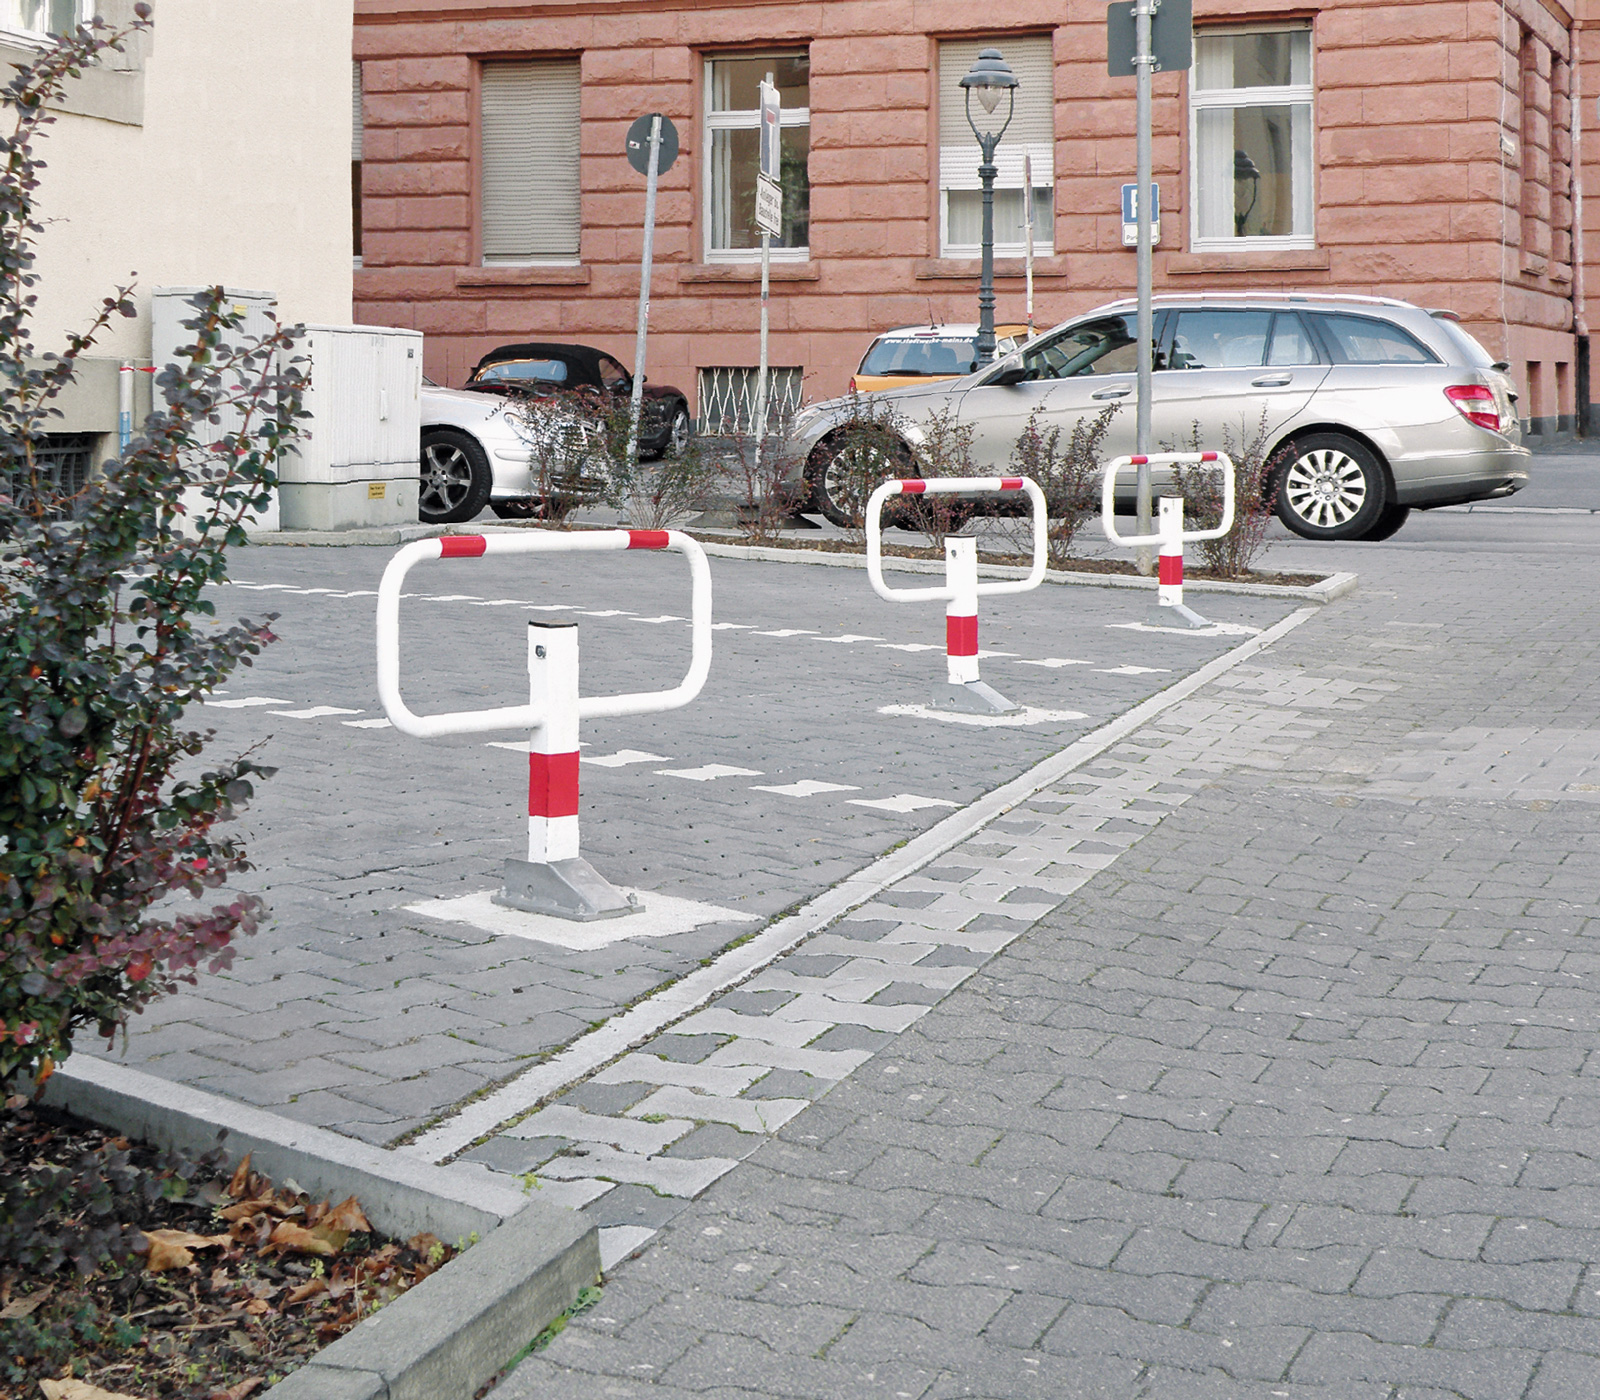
column 1244, row 168
column 990, row 79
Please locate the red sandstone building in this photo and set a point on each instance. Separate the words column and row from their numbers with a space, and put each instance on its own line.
column 1424, row 149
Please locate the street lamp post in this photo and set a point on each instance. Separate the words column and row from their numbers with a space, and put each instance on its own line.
column 1245, row 172
column 991, row 78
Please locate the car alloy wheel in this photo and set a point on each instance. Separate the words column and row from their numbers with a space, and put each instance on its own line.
column 1332, row 489
column 678, row 433
column 455, row 478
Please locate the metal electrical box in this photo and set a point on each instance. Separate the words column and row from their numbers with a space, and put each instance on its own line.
column 357, row 465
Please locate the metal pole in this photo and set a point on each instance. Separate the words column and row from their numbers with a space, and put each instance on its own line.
column 1027, row 219
column 1143, row 64
column 984, row 349
column 761, row 373
column 637, row 403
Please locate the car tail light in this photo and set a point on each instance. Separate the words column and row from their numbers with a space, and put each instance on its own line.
column 852, row 384
column 1476, row 404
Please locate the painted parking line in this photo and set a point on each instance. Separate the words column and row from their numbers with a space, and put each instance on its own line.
column 605, row 612
column 849, row 638
column 366, row 724
column 806, row 787
column 316, row 712
column 245, row 703
column 665, row 617
column 790, row 632
column 902, row 803
column 623, row 757
column 449, row 598
column 1055, row 662
column 709, row 773
column 1133, row 671
column 909, row 646
column 732, row 626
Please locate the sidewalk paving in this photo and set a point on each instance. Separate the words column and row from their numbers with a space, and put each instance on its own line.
column 1281, row 1083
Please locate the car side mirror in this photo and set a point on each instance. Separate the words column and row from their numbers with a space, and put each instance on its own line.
column 1011, row 374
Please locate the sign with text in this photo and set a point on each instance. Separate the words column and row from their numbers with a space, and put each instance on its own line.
column 1130, row 215
column 769, row 206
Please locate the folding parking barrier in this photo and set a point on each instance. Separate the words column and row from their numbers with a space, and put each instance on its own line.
column 554, row 879
column 1170, row 534
column 961, row 589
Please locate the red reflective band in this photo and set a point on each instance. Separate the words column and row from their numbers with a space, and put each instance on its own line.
column 462, row 546
column 1139, row 461
column 552, row 784
column 961, row 635
column 1170, row 569
column 914, row 487
column 1011, row 483
column 646, row 539
column 1208, row 456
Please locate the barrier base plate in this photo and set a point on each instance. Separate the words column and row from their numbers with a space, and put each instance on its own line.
column 1175, row 615
column 974, row 698
column 567, row 889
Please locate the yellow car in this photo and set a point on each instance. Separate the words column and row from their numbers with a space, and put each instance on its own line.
column 916, row 354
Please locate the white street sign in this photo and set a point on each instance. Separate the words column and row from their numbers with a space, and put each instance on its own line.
column 769, row 206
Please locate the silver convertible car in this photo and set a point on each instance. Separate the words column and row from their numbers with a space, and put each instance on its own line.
column 1370, row 406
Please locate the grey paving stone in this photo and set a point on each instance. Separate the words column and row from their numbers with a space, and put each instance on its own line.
column 686, row 1049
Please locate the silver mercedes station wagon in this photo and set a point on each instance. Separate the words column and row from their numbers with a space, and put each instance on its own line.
column 1371, row 407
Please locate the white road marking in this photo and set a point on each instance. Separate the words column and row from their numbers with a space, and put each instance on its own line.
column 606, row 612
column 909, row 646
column 245, row 703
column 1054, row 662
column 731, row 626
column 316, row 712
column 1132, row 671
column 503, row 603
column 1027, row 717
column 623, row 757
column 662, row 916
column 515, row 745
column 709, row 772
column 1212, row 629
column 848, row 638
column 366, row 723
column 665, row 617
column 790, row 632
column 901, row 802
column 985, row 655
column 451, row 598
column 807, row 787
column 551, row 607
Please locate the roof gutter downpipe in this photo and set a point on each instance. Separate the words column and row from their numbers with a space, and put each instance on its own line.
column 1580, row 314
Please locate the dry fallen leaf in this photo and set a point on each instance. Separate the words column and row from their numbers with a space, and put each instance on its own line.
column 309, row 1289
column 348, row 1216
column 238, row 1392
column 172, row 1249
column 243, row 1210
column 288, row 1235
column 79, row 1390
column 21, row 1307
column 239, row 1184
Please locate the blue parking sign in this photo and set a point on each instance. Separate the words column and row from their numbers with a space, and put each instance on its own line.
column 1130, row 214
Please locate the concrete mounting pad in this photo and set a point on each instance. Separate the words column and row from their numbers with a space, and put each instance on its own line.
column 662, row 916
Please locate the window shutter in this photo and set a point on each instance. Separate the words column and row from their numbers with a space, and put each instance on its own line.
column 1032, row 129
column 530, row 161
column 356, row 127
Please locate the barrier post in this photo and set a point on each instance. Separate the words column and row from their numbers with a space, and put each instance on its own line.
column 1169, row 611
column 555, row 879
column 961, row 589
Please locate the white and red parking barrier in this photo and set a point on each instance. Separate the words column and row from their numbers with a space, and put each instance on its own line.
column 554, row 879
column 1170, row 535
column 961, row 589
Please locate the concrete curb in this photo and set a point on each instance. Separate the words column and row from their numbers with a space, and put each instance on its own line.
column 1334, row 586
column 378, row 534
column 441, row 1340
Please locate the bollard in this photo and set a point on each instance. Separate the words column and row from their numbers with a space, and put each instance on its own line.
column 961, row 589
column 555, row 878
column 1170, row 534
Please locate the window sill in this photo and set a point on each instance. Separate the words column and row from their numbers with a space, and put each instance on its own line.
column 749, row 272
column 538, row 275
column 1254, row 260
column 970, row 270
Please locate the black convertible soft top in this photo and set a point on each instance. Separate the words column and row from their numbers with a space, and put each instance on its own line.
column 584, row 357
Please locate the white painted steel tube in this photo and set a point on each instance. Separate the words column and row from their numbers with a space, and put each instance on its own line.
column 525, row 716
column 947, row 486
column 1166, row 459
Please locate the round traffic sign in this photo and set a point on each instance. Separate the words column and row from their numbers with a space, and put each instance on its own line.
column 638, row 144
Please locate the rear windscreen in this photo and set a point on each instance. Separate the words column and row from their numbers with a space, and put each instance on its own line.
column 539, row 371
column 933, row 355
column 1465, row 343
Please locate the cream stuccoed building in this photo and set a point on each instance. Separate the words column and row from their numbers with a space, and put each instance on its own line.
column 214, row 150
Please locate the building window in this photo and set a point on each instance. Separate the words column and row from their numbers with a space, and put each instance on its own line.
column 728, row 396
column 1252, row 165
column 357, row 128
column 733, row 134
column 37, row 17
column 1028, row 145
column 529, row 132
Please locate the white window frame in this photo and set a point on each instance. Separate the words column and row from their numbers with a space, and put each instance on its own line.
column 484, row 257
column 1293, row 94
column 742, row 121
column 12, row 30
column 1007, row 157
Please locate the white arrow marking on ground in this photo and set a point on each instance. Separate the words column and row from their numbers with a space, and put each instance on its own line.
column 1133, row 671
column 807, row 787
column 708, row 772
column 910, row 646
column 623, row 757
column 901, row 802
column 849, row 637
column 366, row 723
column 246, row 702
column 315, row 712
column 731, row 626
column 1054, row 662
column 665, row 617
column 790, row 632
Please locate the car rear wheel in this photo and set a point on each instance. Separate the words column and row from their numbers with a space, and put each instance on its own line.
column 844, row 470
column 455, row 478
column 1333, row 488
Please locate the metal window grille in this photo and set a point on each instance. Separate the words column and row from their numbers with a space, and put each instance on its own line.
column 63, row 462
column 728, row 396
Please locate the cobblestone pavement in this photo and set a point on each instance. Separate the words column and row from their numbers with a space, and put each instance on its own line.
column 354, row 1011
column 1253, row 1057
